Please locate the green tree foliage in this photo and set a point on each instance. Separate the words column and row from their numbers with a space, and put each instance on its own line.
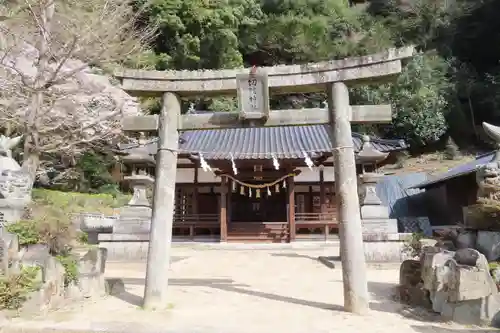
column 419, row 100
column 196, row 34
column 301, row 31
column 202, row 34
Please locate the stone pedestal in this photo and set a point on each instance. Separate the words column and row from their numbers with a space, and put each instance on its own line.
column 130, row 237
column 374, row 214
column 380, row 233
column 12, row 210
column 135, row 217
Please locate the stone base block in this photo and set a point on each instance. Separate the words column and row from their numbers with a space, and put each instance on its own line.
column 483, row 311
column 123, row 247
column 374, row 212
column 379, row 226
column 132, row 225
column 126, row 251
column 385, row 247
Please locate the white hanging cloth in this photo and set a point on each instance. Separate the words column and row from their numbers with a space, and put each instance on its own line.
column 276, row 163
column 204, row 164
column 235, row 170
column 308, row 160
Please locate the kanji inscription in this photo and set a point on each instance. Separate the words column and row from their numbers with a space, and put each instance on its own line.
column 253, row 95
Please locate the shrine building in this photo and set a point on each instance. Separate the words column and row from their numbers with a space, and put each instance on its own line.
column 259, row 184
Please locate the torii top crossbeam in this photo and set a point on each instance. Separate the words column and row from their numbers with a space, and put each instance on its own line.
column 281, row 79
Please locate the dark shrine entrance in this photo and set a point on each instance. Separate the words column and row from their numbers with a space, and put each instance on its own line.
column 258, row 208
column 264, row 209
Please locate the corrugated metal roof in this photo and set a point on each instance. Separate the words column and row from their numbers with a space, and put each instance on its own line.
column 262, row 142
column 458, row 171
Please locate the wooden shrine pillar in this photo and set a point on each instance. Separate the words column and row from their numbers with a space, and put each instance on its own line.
column 322, row 201
column 291, row 208
column 348, row 212
column 195, row 190
column 311, row 199
column 229, row 213
column 223, row 209
column 322, row 192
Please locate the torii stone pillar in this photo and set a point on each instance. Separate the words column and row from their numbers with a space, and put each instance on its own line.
column 252, row 89
column 352, row 253
column 160, row 237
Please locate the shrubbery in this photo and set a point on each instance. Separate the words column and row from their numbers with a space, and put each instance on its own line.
column 48, row 220
column 15, row 288
column 70, row 265
column 56, row 231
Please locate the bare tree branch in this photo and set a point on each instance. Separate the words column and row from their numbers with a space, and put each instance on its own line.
column 48, row 88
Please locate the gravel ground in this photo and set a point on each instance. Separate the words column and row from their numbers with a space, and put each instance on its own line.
column 244, row 291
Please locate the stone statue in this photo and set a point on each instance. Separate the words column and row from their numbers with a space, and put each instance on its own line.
column 488, row 175
column 488, row 181
column 7, row 144
column 14, row 183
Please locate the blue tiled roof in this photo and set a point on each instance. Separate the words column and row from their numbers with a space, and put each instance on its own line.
column 260, row 142
column 460, row 170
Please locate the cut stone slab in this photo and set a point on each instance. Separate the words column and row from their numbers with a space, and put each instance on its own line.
column 469, row 283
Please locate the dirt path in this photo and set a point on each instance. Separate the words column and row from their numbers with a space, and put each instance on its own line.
column 260, row 291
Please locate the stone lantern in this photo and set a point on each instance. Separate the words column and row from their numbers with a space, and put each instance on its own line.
column 135, row 217
column 374, row 215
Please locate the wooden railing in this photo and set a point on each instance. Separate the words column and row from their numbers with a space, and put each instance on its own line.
column 192, row 225
column 308, row 226
column 315, row 225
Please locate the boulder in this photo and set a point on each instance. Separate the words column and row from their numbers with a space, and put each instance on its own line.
column 466, row 239
column 460, row 285
column 488, row 242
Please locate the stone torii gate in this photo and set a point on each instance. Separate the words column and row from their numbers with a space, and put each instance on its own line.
column 253, row 88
